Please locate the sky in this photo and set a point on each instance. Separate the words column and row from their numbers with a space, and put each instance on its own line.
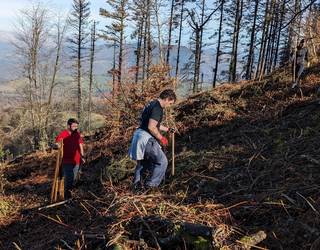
column 9, row 9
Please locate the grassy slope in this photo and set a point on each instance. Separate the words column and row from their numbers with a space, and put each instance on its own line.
column 252, row 147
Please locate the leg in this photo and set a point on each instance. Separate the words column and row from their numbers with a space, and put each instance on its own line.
column 138, row 173
column 300, row 68
column 68, row 179
column 75, row 172
column 158, row 163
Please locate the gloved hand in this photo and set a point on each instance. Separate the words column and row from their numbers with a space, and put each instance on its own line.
column 164, row 141
column 172, row 130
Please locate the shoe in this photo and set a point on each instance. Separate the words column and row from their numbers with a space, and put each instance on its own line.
column 138, row 188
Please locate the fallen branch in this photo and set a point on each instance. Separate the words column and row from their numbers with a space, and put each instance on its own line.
column 53, row 205
column 253, row 240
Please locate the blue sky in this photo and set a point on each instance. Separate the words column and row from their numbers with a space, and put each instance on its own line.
column 9, row 9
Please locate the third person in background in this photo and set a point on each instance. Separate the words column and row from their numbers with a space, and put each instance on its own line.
column 298, row 62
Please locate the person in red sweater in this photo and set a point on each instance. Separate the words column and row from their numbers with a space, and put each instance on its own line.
column 73, row 154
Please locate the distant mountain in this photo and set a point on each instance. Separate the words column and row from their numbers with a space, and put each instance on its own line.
column 104, row 61
column 7, row 66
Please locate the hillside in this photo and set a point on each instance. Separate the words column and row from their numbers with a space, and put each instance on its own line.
column 247, row 160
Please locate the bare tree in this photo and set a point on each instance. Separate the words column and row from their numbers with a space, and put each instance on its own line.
column 92, row 57
column 235, row 41
column 138, row 9
column 253, row 32
column 38, row 47
column 179, row 38
column 116, row 32
column 170, row 30
column 197, row 24
column 219, row 44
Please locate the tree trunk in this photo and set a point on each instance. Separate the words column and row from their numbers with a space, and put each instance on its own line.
column 234, row 54
column 196, row 61
column 144, row 51
column 266, row 42
column 161, row 59
column 149, row 49
column 279, row 35
column 200, row 43
column 120, row 56
column 138, row 51
column 273, row 39
column 179, row 39
column 252, row 42
column 269, row 40
column 79, row 51
column 170, row 32
column 60, row 35
column 263, row 37
column 218, row 46
column 92, row 54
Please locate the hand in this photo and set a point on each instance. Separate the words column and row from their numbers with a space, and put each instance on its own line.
column 171, row 130
column 83, row 160
column 164, row 141
column 54, row 145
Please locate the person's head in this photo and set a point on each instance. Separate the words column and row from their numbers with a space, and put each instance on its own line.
column 167, row 97
column 72, row 124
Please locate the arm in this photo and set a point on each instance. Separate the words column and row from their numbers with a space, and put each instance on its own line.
column 81, row 146
column 152, row 126
column 81, row 150
column 59, row 140
column 307, row 56
column 164, row 128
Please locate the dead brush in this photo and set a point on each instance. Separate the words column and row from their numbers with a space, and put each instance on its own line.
column 157, row 207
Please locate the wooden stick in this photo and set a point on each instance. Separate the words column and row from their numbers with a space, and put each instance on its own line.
column 61, row 182
column 55, row 178
column 55, row 184
column 61, row 188
column 173, row 156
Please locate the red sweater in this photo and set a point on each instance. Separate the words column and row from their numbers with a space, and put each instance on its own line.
column 71, row 146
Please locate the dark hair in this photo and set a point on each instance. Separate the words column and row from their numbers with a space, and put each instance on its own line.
column 168, row 93
column 72, row 120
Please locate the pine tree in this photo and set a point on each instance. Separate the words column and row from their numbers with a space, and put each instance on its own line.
column 92, row 57
column 115, row 32
column 79, row 40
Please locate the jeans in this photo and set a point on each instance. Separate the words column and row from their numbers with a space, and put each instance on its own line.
column 298, row 72
column 154, row 161
column 68, row 173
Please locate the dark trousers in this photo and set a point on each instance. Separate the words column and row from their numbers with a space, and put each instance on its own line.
column 68, row 179
column 155, row 161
